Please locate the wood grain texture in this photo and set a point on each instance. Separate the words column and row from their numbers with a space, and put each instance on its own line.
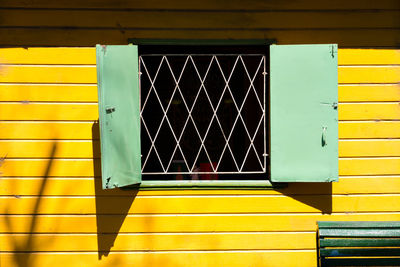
column 72, row 37
column 43, row 149
column 68, row 186
column 369, row 148
column 86, row 56
column 87, row 130
column 159, row 242
column 368, row 56
column 44, row 55
column 367, row 74
column 368, row 111
column 87, row 74
column 88, row 92
column 48, row 130
column 369, row 129
column 90, row 168
column 48, row 92
column 289, row 258
column 178, row 223
column 368, row 92
column 155, row 19
column 209, row 4
column 91, row 149
column 89, row 111
column 200, row 204
column 47, row 74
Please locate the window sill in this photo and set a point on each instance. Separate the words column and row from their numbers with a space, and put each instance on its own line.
column 211, row 184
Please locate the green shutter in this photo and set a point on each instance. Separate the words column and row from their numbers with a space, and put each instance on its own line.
column 119, row 114
column 304, row 117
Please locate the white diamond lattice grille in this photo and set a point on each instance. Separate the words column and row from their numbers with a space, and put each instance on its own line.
column 203, row 110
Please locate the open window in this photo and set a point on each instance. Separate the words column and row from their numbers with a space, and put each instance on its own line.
column 217, row 115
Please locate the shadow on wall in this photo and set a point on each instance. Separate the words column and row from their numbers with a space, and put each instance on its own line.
column 316, row 195
column 112, row 206
column 28, row 259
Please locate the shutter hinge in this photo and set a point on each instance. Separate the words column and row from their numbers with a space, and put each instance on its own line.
column 333, row 51
column 110, row 110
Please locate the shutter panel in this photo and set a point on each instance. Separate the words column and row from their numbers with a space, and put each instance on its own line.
column 303, row 113
column 119, row 114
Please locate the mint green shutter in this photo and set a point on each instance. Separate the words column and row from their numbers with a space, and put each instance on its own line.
column 119, row 114
column 303, row 111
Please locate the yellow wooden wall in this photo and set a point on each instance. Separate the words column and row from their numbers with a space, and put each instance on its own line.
column 53, row 210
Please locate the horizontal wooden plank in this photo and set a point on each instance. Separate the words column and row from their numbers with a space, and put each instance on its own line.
column 50, row 167
column 88, row 93
column 86, row 55
column 369, row 148
column 83, row 130
column 372, row 233
column 369, row 166
column 48, row 55
column 87, row 74
column 289, row 258
column 88, row 167
column 48, row 130
column 358, row 225
column 367, row 111
column 236, row 4
column 61, row 36
column 368, row 56
column 157, row 242
column 88, row 149
column 177, row 223
column 360, row 252
column 389, row 261
column 89, row 111
column 47, row 74
column 364, row 74
column 48, row 111
column 48, row 92
column 43, row 148
column 359, row 242
column 376, row 129
column 196, row 20
column 368, row 92
column 18, row 186
column 199, row 204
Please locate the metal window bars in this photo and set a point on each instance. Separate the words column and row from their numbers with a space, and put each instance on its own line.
column 203, row 113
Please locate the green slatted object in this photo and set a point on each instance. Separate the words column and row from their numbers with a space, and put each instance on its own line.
column 359, row 243
column 119, row 114
column 303, row 113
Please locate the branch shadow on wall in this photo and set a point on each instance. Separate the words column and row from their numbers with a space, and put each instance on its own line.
column 27, row 245
column 112, row 205
column 315, row 195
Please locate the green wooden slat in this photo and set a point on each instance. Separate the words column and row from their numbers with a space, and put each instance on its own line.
column 359, row 232
column 345, row 252
column 303, row 113
column 358, row 224
column 119, row 114
column 357, row 242
column 361, row 262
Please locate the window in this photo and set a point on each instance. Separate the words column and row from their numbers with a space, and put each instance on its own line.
column 203, row 112
column 214, row 112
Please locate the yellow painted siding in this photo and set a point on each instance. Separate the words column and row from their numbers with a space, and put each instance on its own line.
column 356, row 23
column 53, row 210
